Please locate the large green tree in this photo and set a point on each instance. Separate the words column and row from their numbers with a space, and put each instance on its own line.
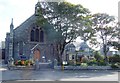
column 86, row 32
column 67, row 20
column 116, row 44
column 105, row 28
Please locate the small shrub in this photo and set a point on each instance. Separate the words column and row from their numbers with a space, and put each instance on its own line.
column 102, row 63
column 97, row 56
column 114, row 66
column 19, row 62
column 26, row 62
column 85, row 59
column 16, row 62
column 114, row 59
column 84, row 64
column 118, row 64
column 92, row 62
column 116, row 55
column 23, row 62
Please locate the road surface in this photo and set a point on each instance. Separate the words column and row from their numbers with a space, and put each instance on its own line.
column 58, row 75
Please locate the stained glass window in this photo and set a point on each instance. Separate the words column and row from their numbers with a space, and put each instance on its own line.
column 37, row 35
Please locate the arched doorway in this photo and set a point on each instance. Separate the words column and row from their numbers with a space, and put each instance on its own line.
column 37, row 54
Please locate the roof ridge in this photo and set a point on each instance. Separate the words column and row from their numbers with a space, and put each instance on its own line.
column 24, row 22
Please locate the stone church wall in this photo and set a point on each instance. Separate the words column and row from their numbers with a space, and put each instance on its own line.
column 22, row 37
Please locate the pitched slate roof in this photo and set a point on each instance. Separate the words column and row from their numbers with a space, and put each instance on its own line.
column 83, row 46
column 26, row 23
column 70, row 46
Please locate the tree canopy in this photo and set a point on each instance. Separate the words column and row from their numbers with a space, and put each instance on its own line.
column 68, row 19
column 71, row 21
column 105, row 28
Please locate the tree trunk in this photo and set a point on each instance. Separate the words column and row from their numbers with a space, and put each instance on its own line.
column 105, row 53
column 60, row 48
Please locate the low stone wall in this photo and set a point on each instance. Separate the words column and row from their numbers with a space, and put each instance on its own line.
column 36, row 67
column 86, row 68
column 20, row 68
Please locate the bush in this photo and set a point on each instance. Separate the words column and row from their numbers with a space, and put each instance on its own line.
column 19, row 62
column 92, row 62
column 26, row 62
column 23, row 62
column 116, row 55
column 97, row 56
column 116, row 65
column 84, row 64
column 102, row 63
column 114, row 59
column 85, row 60
column 16, row 62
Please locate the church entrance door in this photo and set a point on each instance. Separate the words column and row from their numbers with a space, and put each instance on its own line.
column 37, row 54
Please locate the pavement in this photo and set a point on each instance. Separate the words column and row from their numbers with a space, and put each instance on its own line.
column 57, row 75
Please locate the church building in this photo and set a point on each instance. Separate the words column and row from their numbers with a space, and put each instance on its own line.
column 29, row 40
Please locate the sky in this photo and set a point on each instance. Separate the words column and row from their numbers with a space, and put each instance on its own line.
column 20, row 10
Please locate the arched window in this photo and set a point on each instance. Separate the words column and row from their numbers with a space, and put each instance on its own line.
column 32, row 35
column 37, row 35
column 41, row 36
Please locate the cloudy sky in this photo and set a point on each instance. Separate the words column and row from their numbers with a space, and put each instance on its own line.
column 20, row 10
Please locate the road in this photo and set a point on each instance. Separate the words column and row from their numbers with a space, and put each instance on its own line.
column 58, row 75
column 67, row 75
